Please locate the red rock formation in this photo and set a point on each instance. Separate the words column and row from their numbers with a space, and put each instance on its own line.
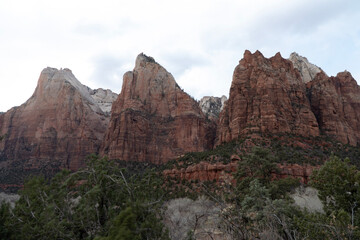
column 336, row 104
column 205, row 171
column 302, row 172
column 266, row 95
column 223, row 173
column 153, row 119
column 56, row 128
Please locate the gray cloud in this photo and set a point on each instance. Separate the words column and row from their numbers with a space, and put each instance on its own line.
column 108, row 72
column 178, row 62
column 198, row 42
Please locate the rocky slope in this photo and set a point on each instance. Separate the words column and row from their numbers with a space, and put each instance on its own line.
column 307, row 70
column 56, row 128
column 153, row 119
column 266, row 96
column 212, row 106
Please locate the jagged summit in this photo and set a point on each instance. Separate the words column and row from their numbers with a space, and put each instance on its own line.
column 153, row 119
column 151, row 87
column 276, row 95
column 262, row 99
column 307, row 70
column 142, row 58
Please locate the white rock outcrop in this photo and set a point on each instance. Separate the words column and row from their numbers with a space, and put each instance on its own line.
column 212, row 106
column 104, row 99
column 307, row 70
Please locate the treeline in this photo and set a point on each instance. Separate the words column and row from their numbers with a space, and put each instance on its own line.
column 105, row 201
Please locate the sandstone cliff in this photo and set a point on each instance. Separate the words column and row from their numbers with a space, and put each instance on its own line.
column 153, row 119
column 266, row 96
column 336, row 104
column 56, row 128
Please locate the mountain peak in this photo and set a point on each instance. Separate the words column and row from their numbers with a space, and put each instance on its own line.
column 53, row 82
column 153, row 119
column 142, row 59
column 307, row 70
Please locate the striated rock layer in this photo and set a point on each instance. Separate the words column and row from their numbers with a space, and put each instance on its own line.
column 224, row 173
column 266, row 96
column 153, row 119
column 56, row 128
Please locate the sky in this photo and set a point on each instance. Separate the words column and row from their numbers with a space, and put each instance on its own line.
column 200, row 42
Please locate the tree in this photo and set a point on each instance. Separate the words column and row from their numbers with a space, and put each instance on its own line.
column 338, row 185
column 260, row 164
column 257, row 216
column 136, row 223
column 6, row 231
column 84, row 204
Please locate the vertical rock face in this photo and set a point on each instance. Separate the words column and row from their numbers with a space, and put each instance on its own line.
column 266, row 96
column 153, row 119
column 56, row 128
column 336, row 104
column 307, row 70
column 212, row 106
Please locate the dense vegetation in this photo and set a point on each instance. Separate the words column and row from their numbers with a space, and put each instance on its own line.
column 261, row 208
column 286, row 148
column 117, row 200
column 101, row 201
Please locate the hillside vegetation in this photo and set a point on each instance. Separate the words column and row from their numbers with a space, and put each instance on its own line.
column 106, row 200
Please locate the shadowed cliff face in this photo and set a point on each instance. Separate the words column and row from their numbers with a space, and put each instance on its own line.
column 153, row 119
column 336, row 104
column 56, row 128
column 266, row 96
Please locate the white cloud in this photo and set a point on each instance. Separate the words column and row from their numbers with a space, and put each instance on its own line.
column 200, row 42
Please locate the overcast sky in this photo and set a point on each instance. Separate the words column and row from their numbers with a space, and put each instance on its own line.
column 199, row 42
